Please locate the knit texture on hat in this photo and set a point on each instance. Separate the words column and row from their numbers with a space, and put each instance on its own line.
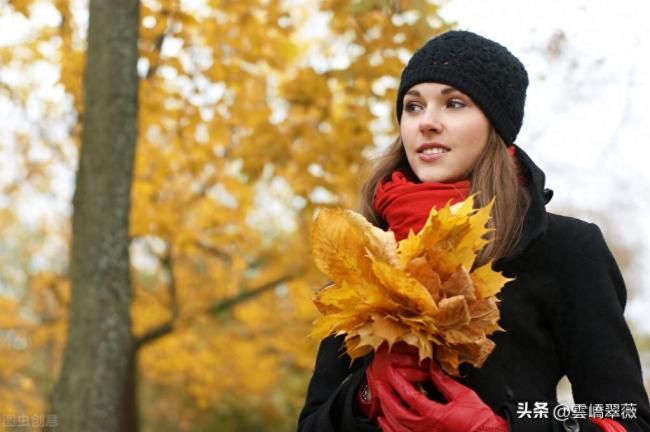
column 482, row 69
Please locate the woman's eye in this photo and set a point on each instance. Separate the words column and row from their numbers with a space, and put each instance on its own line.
column 411, row 106
column 456, row 103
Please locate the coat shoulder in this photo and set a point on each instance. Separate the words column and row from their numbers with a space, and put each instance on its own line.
column 567, row 245
column 560, row 225
column 567, row 234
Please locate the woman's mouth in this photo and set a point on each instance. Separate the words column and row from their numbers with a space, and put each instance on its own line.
column 431, row 153
column 434, row 150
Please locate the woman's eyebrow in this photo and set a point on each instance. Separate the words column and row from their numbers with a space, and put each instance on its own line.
column 447, row 90
column 444, row 91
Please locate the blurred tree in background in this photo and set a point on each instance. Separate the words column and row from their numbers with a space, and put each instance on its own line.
column 250, row 117
column 89, row 391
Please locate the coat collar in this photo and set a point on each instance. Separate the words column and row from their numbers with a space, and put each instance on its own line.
column 536, row 221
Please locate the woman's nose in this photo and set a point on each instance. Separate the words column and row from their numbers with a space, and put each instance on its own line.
column 430, row 123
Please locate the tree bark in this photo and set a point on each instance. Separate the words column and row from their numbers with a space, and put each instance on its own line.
column 129, row 419
column 88, row 394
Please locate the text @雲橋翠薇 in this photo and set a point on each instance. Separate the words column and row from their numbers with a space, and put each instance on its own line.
column 541, row 410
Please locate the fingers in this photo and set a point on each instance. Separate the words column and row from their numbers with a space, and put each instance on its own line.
column 395, row 424
column 413, row 375
column 450, row 388
column 384, row 425
column 390, row 404
column 418, row 402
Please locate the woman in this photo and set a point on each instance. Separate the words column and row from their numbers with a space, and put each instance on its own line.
column 460, row 106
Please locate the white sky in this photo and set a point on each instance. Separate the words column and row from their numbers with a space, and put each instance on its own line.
column 587, row 123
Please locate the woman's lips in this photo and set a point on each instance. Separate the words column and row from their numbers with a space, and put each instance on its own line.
column 431, row 151
column 430, row 157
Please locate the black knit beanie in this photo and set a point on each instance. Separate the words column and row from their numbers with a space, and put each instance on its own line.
column 482, row 69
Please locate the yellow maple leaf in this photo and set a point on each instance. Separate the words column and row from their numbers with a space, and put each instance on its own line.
column 419, row 269
column 339, row 247
column 381, row 244
column 402, row 288
column 419, row 291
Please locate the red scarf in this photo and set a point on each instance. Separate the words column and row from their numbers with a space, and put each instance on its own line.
column 406, row 205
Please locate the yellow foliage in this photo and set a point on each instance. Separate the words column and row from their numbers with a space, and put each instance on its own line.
column 22, row 6
column 235, row 107
column 418, row 291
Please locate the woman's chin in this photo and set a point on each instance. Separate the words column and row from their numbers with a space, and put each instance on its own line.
column 427, row 177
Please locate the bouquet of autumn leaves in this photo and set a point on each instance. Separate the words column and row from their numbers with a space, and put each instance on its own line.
column 419, row 291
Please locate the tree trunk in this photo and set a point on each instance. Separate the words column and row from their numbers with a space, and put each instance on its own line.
column 88, row 394
column 129, row 421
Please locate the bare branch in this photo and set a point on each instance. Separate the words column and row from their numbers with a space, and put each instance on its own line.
column 247, row 294
column 154, row 334
column 216, row 308
column 217, row 253
column 167, row 13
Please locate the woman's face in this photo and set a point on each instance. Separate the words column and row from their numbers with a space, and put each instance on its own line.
column 443, row 131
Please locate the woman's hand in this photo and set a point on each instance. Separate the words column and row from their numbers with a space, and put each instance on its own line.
column 401, row 360
column 406, row 409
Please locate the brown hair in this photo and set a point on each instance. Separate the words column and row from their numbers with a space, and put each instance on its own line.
column 493, row 175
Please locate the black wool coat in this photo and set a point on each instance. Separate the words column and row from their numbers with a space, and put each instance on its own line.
column 562, row 315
